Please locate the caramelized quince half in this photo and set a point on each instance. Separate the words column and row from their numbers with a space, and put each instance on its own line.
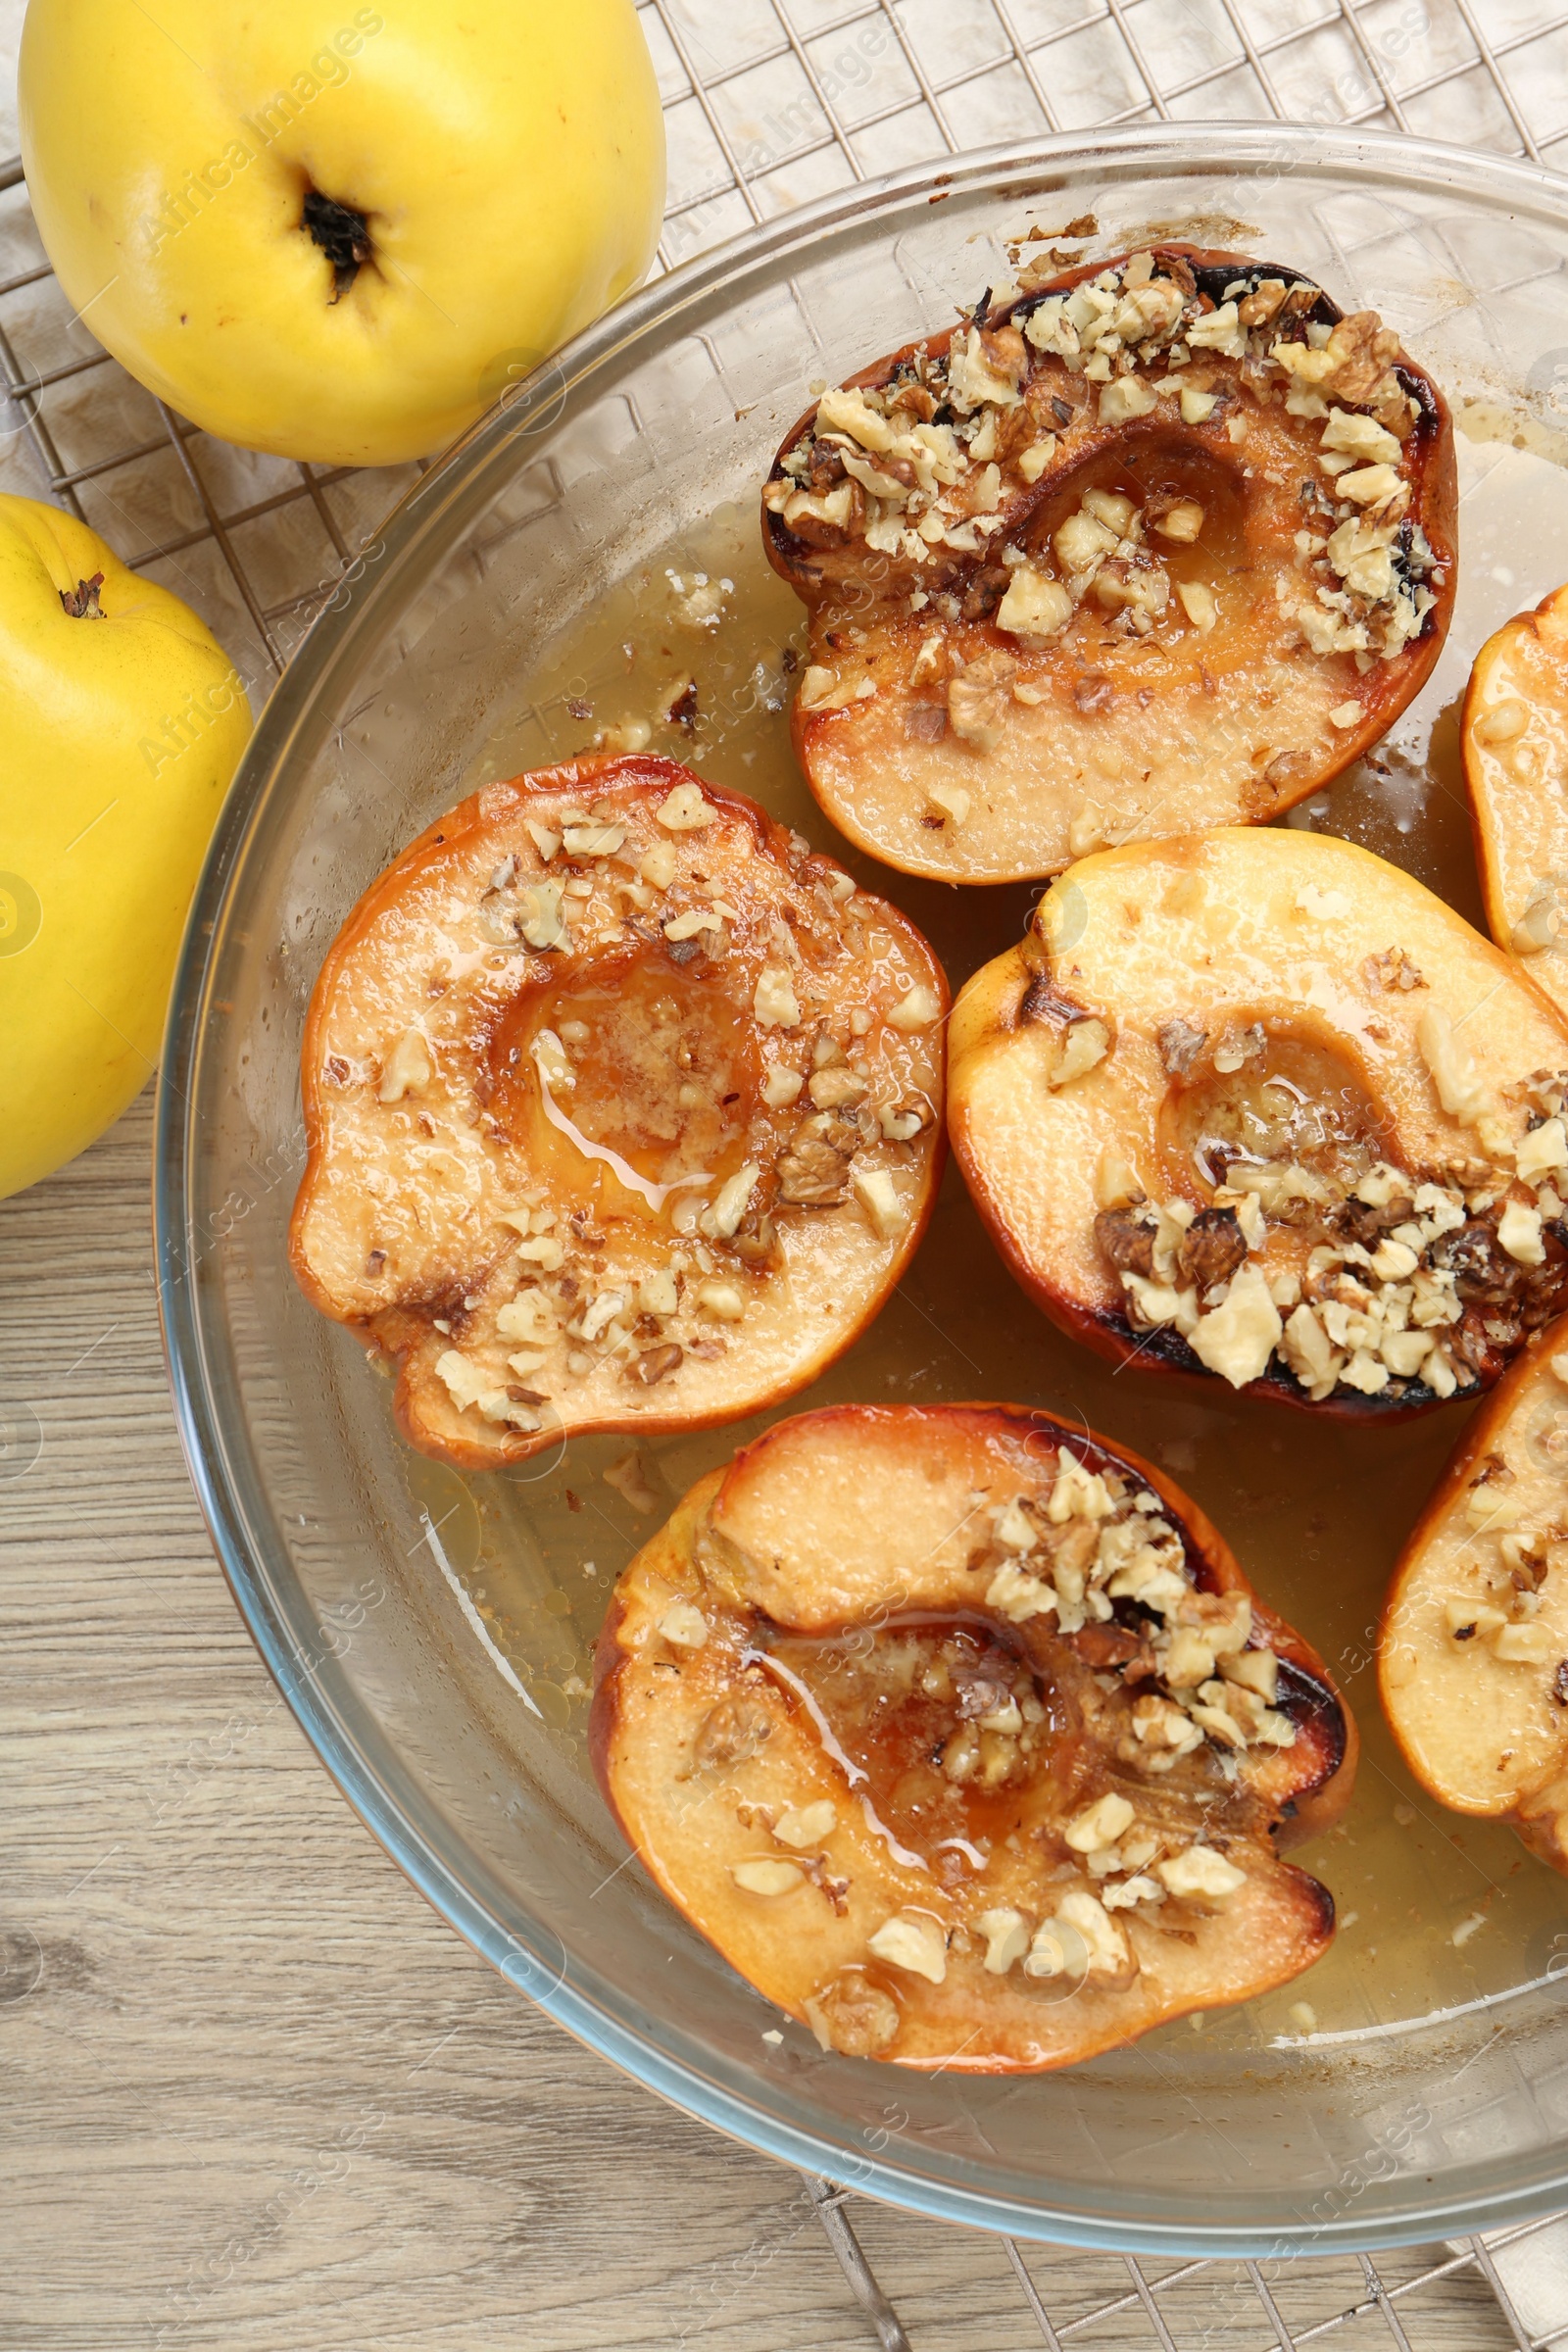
column 1163, row 542
column 1515, row 736
column 624, row 1110
column 1258, row 1106
column 1472, row 1653
column 965, row 1740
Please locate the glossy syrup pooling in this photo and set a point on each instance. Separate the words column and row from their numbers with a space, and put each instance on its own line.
column 1290, row 1101
column 957, row 1736
column 665, row 1075
column 1316, row 1511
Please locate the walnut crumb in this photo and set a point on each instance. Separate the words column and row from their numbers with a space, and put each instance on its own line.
column 1392, row 970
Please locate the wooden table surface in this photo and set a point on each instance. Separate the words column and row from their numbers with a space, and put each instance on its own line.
column 253, row 2091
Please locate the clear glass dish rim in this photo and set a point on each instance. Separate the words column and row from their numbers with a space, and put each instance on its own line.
column 348, row 1741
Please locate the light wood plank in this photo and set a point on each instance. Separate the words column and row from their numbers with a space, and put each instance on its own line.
column 254, row 2092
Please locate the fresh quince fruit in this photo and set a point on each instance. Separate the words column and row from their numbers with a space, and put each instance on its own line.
column 122, row 720
column 963, row 1738
column 1260, row 1106
column 1472, row 1653
column 624, row 1110
column 1515, row 736
column 1159, row 543
column 339, row 233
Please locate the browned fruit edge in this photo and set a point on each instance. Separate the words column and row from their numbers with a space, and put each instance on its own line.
column 1452, row 1479
column 1498, row 923
column 644, row 770
column 1162, row 1350
column 1436, row 486
column 1329, row 1742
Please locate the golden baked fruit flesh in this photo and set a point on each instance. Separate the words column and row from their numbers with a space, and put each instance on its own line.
column 1473, row 1653
column 963, row 1738
column 623, row 1111
column 1260, row 1107
column 1163, row 542
column 1515, row 736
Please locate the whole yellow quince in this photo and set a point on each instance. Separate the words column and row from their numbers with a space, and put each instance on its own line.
column 121, row 721
column 338, row 232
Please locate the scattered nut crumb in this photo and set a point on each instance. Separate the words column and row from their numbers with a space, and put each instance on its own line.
column 630, row 1481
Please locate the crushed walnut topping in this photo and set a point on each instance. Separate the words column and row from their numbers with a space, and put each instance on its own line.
column 1100, row 1554
column 834, row 1118
column 922, row 468
column 1378, row 1283
column 1507, row 1561
column 953, row 1717
column 1392, row 970
column 1080, row 1936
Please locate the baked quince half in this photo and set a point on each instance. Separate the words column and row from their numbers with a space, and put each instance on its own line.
column 1515, row 735
column 1163, row 542
column 962, row 1736
column 624, row 1110
column 1260, row 1107
column 1473, row 1653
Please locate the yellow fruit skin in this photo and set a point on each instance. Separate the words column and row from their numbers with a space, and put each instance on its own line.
column 508, row 155
column 117, row 740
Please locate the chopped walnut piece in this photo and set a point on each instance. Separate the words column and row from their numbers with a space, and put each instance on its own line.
column 1461, row 1087
column 1393, row 969
column 1126, row 1242
column 767, row 1875
column 1265, row 303
column 685, row 810
column 1202, row 1873
column 918, row 1008
column 1174, row 517
column 774, row 1001
column 1158, row 1735
column 1099, row 1825
column 805, row 1826
column 879, row 1196
column 1354, row 367
column 1360, row 347
column 1034, row 606
column 408, row 1068
column 1198, row 604
column 735, row 1729
column 837, row 1088
column 913, row 1942
column 684, row 1624
column 852, row 2016
column 813, row 1171
column 630, row 1481
column 1180, row 1044
column 1081, row 1939
column 1212, row 1248
column 979, row 698
column 1084, row 1044
column 1007, row 1935
column 654, row 1365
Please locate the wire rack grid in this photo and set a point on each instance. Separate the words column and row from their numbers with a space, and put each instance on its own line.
column 768, row 103
column 1471, row 2295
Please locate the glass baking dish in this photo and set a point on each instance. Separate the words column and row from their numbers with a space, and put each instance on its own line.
column 434, row 1633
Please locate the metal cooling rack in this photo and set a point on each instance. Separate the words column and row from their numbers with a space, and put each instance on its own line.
column 768, row 103
column 1114, row 2303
